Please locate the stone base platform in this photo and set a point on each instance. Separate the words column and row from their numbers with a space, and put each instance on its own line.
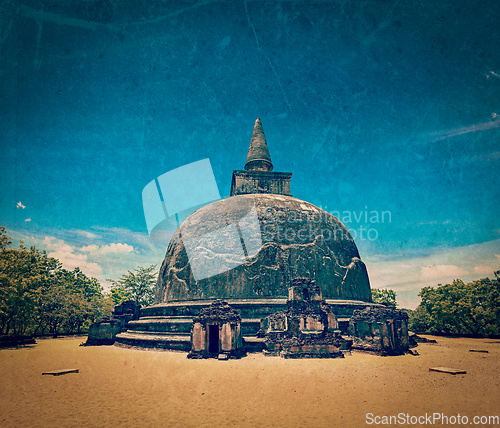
column 168, row 325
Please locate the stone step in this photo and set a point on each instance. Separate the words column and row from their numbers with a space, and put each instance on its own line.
column 181, row 324
column 254, row 344
column 161, row 341
column 163, row 317
column 179, row 342
column 247, row 308
column 253, row 339
column 250, row 326
column 163, row 320
column 162, row 324
column 157, row 333
column 157, row 337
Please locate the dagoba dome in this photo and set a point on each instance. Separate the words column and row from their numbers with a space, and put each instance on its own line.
column 282, row 238
column 247, row 249
column 252, row 245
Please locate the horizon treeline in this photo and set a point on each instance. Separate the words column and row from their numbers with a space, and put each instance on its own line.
column 459, row 308
column 39, row 297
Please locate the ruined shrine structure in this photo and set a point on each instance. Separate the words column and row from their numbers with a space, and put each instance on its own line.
column 216, row 332
column 380, row 330
column 308, row 327
column 104, row 331
column 281, row 238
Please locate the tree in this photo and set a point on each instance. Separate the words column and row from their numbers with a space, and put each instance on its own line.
column 119, row 295
column 22, row 273
column 385, row 297
column 37, row 295
column 418, row 320
column 460, row 308
column 139, row 283
column 4, row 238
column 71, row 302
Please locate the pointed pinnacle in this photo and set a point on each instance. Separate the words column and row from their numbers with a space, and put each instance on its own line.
column 258, row 158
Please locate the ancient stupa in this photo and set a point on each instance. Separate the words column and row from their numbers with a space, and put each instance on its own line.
column 246, row 250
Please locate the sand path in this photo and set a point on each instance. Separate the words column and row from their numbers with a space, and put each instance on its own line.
column 136, row 388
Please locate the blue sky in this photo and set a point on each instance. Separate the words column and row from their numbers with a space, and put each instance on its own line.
column 375, row 106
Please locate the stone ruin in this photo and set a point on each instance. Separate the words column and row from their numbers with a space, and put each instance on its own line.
column 380, row 330
column 278, row 237
column 286, row 238
column 216, row 333
column 308, row 327
column 104, row 332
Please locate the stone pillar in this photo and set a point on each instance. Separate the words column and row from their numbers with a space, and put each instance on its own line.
column 225, row 335
column 198, row 334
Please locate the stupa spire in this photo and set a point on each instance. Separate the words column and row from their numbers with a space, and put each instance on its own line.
column 258, row 158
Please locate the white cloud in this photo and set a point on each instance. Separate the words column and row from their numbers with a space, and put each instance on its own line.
column 408, row 275
column 20, row 205
column 66, row 245
column 379, row 270
column 69, row 259
column 108, row 249
column 483, row 270
column 57, row 244
column 442, row 271
column 116, row 248
column 28, row 219
column 87, row 234
column 92, row 249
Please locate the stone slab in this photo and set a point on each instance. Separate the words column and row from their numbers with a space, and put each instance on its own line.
column 155, row 337
column 447, row 370
column 61, row 372
column 250, row 339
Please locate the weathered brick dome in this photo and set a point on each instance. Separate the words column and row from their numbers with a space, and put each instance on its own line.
column 246, row 250
column 252, row 246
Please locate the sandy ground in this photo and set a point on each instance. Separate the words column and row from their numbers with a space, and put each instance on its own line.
column 136, row 388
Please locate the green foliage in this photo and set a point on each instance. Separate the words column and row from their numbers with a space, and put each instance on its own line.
column 385, row 297
column 418, row 320
column 460, row 308
column 4, row 239
column 139, row 283
column 119, row 295
column 38, row 296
